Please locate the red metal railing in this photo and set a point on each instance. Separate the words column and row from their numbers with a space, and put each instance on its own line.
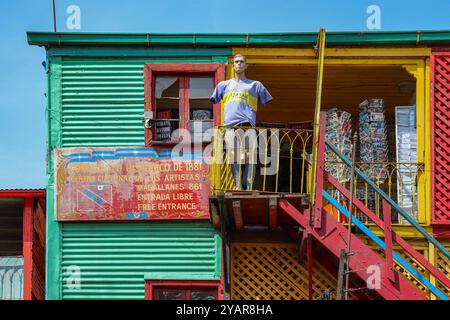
column 384, row 223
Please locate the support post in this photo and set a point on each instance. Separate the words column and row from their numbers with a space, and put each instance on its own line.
column 341, row 274
column 349, row 232
column 225, row 247
column 432, row 260
column 317, row 208
column 310, row 273
column 273, row 212
column 390, row 271
column 215, row 217
column 27, row 248
column 237, row 213
column 302, row 251
column 321, row 55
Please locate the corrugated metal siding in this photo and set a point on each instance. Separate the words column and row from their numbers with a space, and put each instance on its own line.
column 238, row 39
column 113, row 258
column 102, row 102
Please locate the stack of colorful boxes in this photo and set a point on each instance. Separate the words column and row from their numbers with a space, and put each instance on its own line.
column 407, row 152
column 372, row 136
column 339, row 132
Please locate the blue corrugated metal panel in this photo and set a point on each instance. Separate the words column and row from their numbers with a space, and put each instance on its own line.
column 113, row 259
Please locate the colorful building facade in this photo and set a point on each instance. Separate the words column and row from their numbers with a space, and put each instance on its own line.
column 132, row 213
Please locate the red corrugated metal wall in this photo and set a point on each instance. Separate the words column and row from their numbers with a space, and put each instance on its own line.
column 440, row 138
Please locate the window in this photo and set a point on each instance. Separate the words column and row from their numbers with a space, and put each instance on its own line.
column 185, row 294
column 182, row 289
column 177, row 97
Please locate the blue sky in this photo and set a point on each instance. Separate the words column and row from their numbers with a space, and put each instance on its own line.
column 22, row 77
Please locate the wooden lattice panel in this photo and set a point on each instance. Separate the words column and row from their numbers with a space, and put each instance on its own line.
column 443, row 264
column 272, row 271
column 412, row 262
column 440, row 119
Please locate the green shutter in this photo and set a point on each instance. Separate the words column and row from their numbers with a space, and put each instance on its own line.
column 113, row 259
column 102, row 102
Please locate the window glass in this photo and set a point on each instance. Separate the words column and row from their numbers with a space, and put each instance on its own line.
column 169, row 294
column 167, row 108
column 170, row 107
column 203, row 295
column 167, row 92
column 201, row 87
column 167, row 87
column 200, row 108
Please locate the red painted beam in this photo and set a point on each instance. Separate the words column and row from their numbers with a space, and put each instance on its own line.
column 333, row 235
column 397, row 239
column 28, row 248
column 22, row 193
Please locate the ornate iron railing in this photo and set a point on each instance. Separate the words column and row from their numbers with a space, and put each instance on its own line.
column 399, row 180
column 277, row 158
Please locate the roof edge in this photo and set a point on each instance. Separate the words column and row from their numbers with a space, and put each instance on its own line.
column 22, row 193
column 417, row 37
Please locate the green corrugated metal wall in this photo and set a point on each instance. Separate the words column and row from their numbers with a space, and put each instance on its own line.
column 102, row 102
column 113, row 258
column 98, row 100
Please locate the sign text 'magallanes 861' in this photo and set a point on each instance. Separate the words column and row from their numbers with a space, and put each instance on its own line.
column 129, row 183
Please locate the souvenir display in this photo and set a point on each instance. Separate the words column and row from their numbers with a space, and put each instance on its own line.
column 406, row 145
column 339, row 132
column 372, row 138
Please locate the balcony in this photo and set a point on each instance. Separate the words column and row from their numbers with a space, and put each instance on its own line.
column 270, row 162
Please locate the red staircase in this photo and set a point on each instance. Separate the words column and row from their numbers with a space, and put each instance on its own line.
column 373, row 273
column 333, row 235
column 364, row 261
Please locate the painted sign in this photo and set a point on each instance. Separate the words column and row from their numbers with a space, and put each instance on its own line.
column 129, row 183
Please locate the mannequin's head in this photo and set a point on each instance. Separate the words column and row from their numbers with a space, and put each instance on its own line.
column 239, row 64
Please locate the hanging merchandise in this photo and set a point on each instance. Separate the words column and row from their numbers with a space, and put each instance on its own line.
column 339, row 132
column 406, row 138
column 372, row 137
column 201, row 125
column 164, row 128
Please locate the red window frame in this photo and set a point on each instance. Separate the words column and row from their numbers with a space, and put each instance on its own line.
column 152, row 286
column 151, row 70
